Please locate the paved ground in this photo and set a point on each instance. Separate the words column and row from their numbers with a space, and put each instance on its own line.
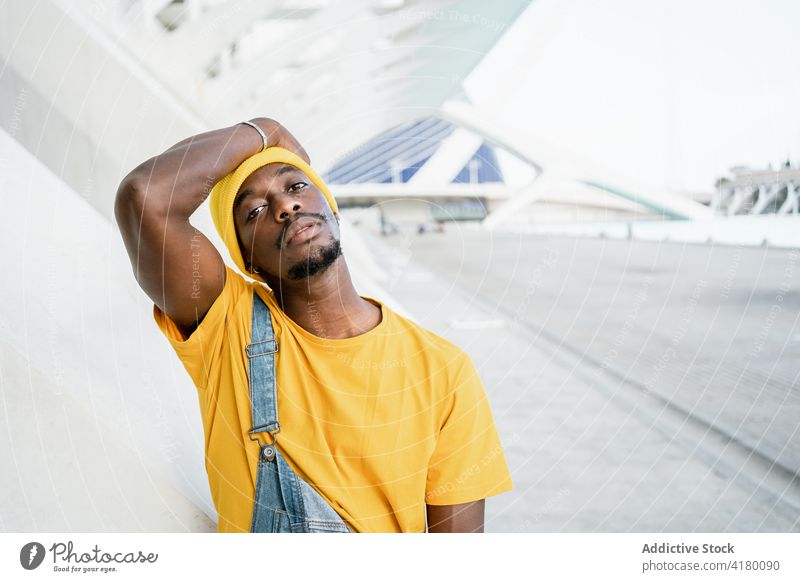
column 636, row 386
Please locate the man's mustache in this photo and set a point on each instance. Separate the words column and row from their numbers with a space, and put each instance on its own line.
column 288, row 223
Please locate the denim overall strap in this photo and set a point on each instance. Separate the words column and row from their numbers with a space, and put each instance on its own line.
column 283, row 501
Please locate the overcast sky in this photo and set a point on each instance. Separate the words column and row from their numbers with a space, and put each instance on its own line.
column 672, row 91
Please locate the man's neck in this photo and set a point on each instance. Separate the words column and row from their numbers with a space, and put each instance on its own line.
column 327, row 304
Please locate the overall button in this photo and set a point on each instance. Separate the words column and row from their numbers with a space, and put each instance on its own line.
column 268, row 452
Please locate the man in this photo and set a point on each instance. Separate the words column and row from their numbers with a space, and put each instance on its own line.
column 378, row 423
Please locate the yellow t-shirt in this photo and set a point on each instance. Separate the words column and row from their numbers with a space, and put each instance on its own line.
column 379, row 424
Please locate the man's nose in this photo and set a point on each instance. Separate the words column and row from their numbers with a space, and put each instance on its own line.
column 286, row 206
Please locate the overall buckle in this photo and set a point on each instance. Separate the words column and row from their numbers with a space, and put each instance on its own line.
column 267, row 449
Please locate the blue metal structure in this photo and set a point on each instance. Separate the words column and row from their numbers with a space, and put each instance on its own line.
column 397, row 154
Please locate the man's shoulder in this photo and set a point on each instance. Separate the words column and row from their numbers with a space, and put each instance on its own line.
column 237, row 279
column 227, row 314
column 242, row 288
column 433, row 345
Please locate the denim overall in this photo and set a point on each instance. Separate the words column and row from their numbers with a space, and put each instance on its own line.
column 283, row 501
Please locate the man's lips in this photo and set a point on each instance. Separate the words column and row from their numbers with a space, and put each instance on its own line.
column 301, row 230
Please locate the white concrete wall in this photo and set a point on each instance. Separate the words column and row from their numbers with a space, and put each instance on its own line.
column 770, row 229
column 80, row 103
column 101, row 423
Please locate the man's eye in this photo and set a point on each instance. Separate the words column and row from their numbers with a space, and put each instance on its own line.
column 255, row 211
column 297, row 186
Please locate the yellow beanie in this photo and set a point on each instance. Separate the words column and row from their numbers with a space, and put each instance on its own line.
column 224, row 193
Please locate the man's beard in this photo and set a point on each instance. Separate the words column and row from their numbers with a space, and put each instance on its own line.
column 317, row 261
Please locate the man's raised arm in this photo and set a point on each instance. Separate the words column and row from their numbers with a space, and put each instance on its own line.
column 175, row 264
